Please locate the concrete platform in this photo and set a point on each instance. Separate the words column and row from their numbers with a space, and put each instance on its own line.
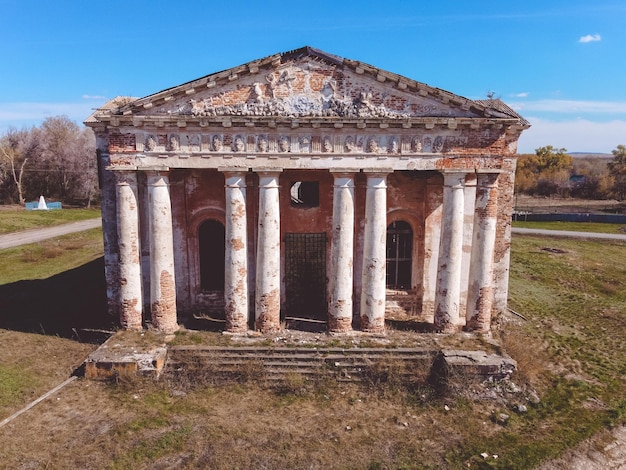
column 149, row 354
column 119, row 356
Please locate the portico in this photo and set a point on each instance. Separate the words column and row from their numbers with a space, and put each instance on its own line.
column 298, row 165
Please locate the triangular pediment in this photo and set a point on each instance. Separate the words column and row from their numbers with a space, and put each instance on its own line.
column 308, row 83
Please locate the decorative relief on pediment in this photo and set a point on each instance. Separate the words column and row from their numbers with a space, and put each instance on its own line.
column 304, row 91
column 294, row 106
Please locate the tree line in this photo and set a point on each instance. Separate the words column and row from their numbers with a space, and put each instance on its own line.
column 56, row 159
column 552, row 172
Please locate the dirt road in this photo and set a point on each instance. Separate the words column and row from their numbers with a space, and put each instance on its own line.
column 38, row 234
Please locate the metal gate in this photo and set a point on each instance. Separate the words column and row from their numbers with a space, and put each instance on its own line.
column 305, row 275
column 399, row 255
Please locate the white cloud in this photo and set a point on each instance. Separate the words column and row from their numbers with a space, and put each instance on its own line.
column 521, row 95
column 569, row 106
column 590, row 38
column 94, row 97
column 25, row 114
column 579, row 135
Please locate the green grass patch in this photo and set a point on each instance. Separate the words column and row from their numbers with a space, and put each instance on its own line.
column 148, row 450
column 20, row 219
column 15, row 383
column 573, row 294
column 47, row 258
column 595, row 227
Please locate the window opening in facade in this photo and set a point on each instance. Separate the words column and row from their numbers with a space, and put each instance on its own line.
column 399, row 255
column 211, row 237
column 305, row 194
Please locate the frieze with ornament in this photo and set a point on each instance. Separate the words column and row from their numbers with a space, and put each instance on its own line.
column 302, row 144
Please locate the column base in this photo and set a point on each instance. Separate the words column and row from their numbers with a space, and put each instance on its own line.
column 476, row 327
column 236, row 324
column 268, row 323
column 447, row 329
column 376, row 326
column 170, row 330
column 339, row 325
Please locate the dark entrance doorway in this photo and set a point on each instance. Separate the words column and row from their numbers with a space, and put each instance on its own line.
column 305, row 276
column 399, row 255
column 211, row 246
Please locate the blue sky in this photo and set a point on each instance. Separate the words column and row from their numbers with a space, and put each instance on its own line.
column 560, row 63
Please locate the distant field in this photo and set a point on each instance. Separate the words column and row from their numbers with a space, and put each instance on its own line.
column 574, row 226
column 15, row 219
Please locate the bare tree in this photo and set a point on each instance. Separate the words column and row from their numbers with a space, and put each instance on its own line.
column 16, row 149
column 617, row 167
column 66, row 163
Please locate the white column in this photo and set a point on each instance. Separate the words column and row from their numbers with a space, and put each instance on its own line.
column 433, row 204
column 267, row 304
column 469, row 198
column 236, row 253
column 162, row 280
column 447, row 298
column 130, row 297
column 374, row 254
column 481, row 289
column 342, row 255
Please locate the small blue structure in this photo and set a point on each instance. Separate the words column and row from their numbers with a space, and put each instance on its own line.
column 42, row 205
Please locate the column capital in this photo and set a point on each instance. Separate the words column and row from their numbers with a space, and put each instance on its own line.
column 125, row 177
column 232, row 169
column 377, row 171
column 120, row 169
column 267, row 171
column 488, row 180
column 235, row 179
column 155, row 169
column 454, row 179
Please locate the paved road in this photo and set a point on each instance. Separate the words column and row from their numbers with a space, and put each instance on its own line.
column 568, row 234
column 38, row 234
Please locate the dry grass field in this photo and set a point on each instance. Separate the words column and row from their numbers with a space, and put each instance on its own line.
column 571, row 381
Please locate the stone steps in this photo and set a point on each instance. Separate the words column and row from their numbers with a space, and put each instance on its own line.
column 276, row 364
column 123, row 355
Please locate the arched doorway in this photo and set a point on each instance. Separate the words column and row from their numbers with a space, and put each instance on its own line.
column 399, row 255
column 211, row 237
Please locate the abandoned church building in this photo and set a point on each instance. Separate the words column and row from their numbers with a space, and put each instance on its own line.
column 305, row 185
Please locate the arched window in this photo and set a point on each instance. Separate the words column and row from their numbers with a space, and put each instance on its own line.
column 211, row 250
column 399, row 255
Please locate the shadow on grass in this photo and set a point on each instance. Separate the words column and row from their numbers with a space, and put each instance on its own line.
column 69, row 304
